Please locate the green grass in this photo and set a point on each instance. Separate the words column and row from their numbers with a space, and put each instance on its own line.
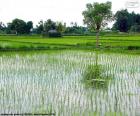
column 95, row 77
column 50, row 82
column 108, row 43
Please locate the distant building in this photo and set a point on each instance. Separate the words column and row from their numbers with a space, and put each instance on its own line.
column 53, row 31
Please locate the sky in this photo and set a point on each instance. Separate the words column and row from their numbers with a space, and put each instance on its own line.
column 58, row 10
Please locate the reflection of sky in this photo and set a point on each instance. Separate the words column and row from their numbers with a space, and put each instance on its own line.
column 36, row 79
column 62, row 10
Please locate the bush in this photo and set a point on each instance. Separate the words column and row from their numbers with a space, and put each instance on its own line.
column 135, row 28
column 95, row 77
column 55, row 34
column 133, row 47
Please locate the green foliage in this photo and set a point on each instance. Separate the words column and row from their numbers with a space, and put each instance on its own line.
column 135, row 28
column 2, row 28
column 50, row 28
column 133, row 47
column 126, row 21
column 20, row 26
column 114, row 43
column 97, row 15
column 54, row 34
column 122, row 21
column 29, row 26
column 95, row 77
column 76, row 30
column 39, row 28
column 93, row 72
column 49, row 25
column 60, row 27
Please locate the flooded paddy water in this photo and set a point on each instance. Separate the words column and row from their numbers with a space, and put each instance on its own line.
column 52, row 82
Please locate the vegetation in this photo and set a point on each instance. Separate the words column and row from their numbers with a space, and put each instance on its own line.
column 50, row 28
column 114, row 43
column 95, row 75
column 50, row 82
column 126, row 21
column 74, row 29
column 19, row 26
column 97, row 16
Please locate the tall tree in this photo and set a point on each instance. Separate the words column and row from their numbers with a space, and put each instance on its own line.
column 49, row 25
column 122, row 21
column 137, row 19
column 96, row 16
column 2, row 26
column 19, row 26
column 126, row 21
column 29, row 26
column 60, row 27
column 39, row 27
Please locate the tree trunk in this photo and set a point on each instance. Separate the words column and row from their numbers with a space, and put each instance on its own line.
column 97, row 39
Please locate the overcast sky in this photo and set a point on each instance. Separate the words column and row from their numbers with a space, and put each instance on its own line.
column 58, row 10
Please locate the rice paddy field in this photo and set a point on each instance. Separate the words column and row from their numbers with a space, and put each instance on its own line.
column 55, row 82
column 119, row 43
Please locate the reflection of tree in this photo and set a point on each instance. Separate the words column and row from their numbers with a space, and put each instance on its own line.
column 95, row 76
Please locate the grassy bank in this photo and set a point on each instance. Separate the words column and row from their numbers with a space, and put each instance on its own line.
column 127, row 44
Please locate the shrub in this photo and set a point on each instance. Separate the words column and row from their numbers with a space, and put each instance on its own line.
column 135, row 28
column 95, row 77
column 54, row 34
column 133, row 47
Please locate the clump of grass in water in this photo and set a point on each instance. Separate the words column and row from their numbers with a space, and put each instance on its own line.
column 95, row 77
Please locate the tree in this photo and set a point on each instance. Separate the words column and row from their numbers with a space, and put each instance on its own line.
column 135, row 28
column 75, row 30
column 51, row 28
column 29, row 26
column 96, row 16
column 122, row 21
column 2, row 28
column 39, row 27
column 19, row 26
column 138, row 19
column 126, row 21
column 49, row 25
column 60, row 27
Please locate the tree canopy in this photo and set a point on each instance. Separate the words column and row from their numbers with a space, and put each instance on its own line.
column 97, row 15
column 20, row 26
column 126, row 21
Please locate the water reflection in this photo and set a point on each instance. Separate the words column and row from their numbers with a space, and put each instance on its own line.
column 52, row 83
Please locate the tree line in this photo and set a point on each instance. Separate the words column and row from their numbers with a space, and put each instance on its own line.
column 124, row 22
column 127, row 22
column 19, row 26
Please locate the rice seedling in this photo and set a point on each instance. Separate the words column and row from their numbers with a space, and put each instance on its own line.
column 95, row 77
column 51, row 83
